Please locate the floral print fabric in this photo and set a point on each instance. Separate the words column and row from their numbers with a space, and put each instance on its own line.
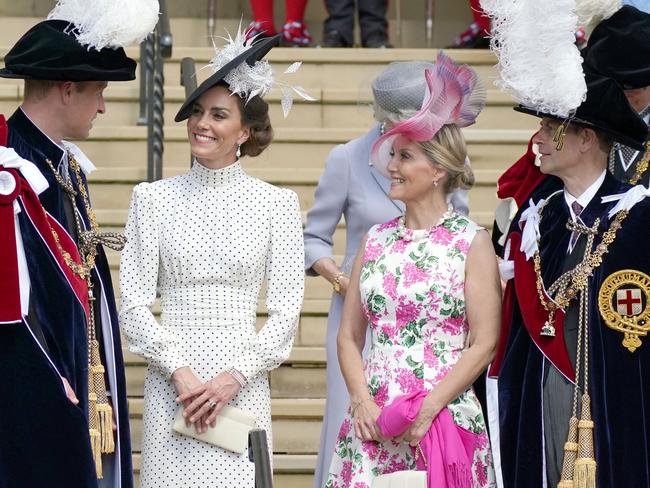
column 412, row 290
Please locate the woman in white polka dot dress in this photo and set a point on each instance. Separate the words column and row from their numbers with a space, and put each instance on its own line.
column 206, row 241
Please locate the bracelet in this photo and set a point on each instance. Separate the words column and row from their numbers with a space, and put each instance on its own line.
column 358, row 404
column 336, row 284
column 239, row 377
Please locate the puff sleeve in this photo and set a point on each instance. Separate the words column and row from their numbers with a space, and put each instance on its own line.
column 285, row 290
column 138, row 283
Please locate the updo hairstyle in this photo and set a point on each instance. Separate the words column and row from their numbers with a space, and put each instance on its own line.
column 448, row 150
column 255, row 116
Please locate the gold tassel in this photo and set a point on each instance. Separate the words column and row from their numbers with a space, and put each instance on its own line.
column 105, row 414
column 585, row 465
column 570, row 455
column 95, row 444
column 95, row 436
column 104, row 410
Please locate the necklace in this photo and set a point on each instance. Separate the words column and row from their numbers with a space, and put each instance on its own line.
column 407, row 234
column 569, row 284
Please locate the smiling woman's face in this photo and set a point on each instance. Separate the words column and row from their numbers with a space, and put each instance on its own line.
column 214, row 127
column 411, row 172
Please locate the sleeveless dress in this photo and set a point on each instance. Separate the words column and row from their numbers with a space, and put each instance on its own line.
column 412, row 290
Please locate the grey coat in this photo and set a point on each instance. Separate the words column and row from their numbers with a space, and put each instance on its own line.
column 352, row 188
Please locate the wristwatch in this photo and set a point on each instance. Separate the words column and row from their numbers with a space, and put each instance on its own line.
column 336, row 284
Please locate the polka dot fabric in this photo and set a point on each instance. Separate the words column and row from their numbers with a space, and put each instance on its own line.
column 206, row 241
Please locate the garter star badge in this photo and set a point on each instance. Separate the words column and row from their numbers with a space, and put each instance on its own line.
column 624, row 303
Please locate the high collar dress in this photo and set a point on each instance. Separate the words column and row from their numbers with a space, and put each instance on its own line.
column 206, row 241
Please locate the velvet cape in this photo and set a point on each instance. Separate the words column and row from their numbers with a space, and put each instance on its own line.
column 43, row 437
column 30, row 143
column 619, row 380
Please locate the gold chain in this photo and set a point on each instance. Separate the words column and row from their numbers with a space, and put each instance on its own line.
column 87, row 249
column 570, row 283
column 80, row 270
column 641, row 165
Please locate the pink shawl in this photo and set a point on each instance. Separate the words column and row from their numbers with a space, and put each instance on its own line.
column 448, row 448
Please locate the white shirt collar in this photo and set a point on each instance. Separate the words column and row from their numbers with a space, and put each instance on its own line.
column 586, row 197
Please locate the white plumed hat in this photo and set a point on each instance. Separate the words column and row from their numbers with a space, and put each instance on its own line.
column 108, row 23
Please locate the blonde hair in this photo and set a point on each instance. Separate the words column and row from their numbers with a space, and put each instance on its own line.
column 448, row 150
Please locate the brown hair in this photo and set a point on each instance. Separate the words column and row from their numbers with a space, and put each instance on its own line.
column 255, row 116
column 605, row 141
column 448, row 150
column 39, row 89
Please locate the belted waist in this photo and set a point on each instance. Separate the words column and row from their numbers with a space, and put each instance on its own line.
column 210, row 306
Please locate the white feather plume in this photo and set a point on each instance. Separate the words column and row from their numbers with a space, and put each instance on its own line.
column 538, row 61
column 108, row 23
column 248, row 81
column 592, row 12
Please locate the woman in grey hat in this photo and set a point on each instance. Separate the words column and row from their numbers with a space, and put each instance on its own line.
column 350, row 187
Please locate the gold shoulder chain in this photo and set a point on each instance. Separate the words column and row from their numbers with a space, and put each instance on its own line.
column 641, row 165
column 569, row 284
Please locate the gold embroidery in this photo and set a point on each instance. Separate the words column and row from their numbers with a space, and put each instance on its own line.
column 622, row 314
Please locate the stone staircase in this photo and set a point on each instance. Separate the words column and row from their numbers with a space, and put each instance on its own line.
column 340, row 80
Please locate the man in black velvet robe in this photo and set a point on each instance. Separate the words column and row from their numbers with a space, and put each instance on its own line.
column 64, row 83
column 535, row 369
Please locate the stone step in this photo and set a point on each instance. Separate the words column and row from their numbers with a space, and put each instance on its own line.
column 325, row 67
column 334, row 108
column 289, row 470
column 189, row 27
column 292, row 149
column 301, row 376
column 116, row 197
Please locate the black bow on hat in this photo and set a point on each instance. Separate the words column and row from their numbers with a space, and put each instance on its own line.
column 619, row 47
column 257, row 51
column 50, row 51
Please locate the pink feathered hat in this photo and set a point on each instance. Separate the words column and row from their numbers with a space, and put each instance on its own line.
column 455, row 95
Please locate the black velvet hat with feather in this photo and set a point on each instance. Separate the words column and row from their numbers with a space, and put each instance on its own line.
column 605, row 109
column 83, row 40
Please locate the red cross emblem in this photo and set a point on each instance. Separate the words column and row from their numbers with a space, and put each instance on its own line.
column 628, row 301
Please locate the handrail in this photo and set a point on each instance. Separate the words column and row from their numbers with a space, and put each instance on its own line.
column 188, row 80
column 258, row 453
column 188, row 75
column 153, row 50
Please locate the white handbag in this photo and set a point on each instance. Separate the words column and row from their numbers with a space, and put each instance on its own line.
column 404, row 479
column 401, row 479
column 230, row 432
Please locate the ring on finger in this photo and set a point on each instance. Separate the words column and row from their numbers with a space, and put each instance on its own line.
column 212, row 404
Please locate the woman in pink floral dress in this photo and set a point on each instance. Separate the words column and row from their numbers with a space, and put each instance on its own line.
column 431, row 296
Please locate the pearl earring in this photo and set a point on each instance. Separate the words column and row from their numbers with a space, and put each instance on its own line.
column 238, row 153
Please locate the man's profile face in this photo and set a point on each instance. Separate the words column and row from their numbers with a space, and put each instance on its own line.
column 86, row 101
column 553, row 161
